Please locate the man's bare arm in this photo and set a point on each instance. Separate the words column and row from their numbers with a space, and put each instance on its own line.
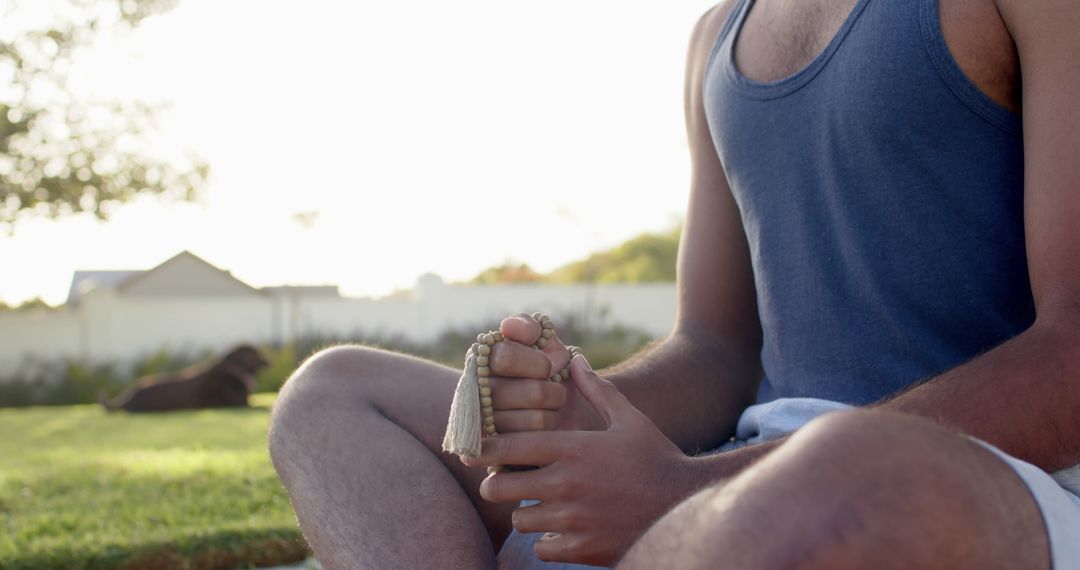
column 1024, row 395
column 695, row 383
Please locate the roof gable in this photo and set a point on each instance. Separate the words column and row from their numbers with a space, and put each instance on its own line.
column 185, row 275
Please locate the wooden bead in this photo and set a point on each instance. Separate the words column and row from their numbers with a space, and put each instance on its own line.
column 542, row 342
column 482, row 360
column 565, row 373
column 485, row 382
column 487, row 411
column 490, row 430
column 489, row 421
column 547, row 333
column 480, row 338
column 483, row 350
column 544, row 319
column 494, row 469
column 536, row 316
column 485, row 391
column 488, row 339
column 548, row 324
column 485, row 402
column 498, row 336
column 483, row 371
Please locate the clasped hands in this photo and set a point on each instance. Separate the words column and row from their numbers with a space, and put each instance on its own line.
column 604, row 472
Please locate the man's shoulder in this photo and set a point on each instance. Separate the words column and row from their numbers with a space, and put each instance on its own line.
column 703, row 39
column 711, row 22
column 707, row 30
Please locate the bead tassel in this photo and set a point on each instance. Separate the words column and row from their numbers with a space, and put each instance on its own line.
column 463, row 428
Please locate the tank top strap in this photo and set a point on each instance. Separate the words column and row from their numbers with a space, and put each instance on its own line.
column 733, row 22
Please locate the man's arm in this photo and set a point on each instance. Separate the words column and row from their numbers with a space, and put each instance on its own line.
column 695, row 383
column 1024, row 395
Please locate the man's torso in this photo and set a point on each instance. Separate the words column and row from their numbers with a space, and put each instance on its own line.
column 875, row 154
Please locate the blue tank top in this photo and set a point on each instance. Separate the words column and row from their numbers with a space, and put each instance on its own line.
column 882, row 197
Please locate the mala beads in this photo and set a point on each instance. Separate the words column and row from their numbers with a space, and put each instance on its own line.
column 472, row 413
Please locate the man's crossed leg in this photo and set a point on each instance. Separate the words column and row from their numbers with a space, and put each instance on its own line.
column 356, row 433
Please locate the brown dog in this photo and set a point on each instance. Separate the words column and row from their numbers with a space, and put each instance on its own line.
column 225, row 383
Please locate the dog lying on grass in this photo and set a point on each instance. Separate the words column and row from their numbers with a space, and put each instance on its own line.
column 222, row 384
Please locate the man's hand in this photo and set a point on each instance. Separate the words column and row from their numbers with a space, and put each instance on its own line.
column 523, row 398
column 599, row 490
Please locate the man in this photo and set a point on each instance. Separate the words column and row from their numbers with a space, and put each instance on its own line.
column 871, row 223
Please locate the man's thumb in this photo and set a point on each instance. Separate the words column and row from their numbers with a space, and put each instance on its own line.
column 601, row 393
column 520, row 328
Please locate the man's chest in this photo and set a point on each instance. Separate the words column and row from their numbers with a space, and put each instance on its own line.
column 780, row 37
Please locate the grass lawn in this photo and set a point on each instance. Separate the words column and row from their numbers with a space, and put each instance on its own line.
column 80, row 488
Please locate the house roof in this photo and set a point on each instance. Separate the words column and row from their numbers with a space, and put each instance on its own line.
column 179, row 258
column 120, row 280
column 84, row 281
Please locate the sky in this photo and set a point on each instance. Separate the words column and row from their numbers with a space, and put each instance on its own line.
column 413, row 136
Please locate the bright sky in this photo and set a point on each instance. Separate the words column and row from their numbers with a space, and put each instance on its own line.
column 430, row 136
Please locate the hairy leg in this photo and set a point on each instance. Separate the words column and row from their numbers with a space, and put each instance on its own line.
column 355, row 437
column 861, row 489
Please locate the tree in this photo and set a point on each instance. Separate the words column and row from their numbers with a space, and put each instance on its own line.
column 60, row 153
column 508, row 272
column 35, row 303
column 642, row 259
column 645, row 258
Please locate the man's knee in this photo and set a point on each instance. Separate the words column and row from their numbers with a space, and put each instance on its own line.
column 888, row 464
column 853, row 487
column 329, row 371
column 863, row 436
column 917, row 487
column 330, row 377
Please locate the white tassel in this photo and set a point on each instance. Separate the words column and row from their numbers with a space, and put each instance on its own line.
column 463, row 428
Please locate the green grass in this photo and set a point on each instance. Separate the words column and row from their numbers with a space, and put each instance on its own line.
column 80, row 488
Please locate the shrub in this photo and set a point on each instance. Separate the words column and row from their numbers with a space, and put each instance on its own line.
column 64, row 382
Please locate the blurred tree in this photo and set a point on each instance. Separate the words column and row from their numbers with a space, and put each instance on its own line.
column 35, row 303
column 61, row 153
column 645, row 258
column 508, row 272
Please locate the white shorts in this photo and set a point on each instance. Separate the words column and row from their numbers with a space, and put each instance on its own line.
column 1058, row 494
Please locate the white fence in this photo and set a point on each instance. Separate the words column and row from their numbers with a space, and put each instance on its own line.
column 110, row 327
